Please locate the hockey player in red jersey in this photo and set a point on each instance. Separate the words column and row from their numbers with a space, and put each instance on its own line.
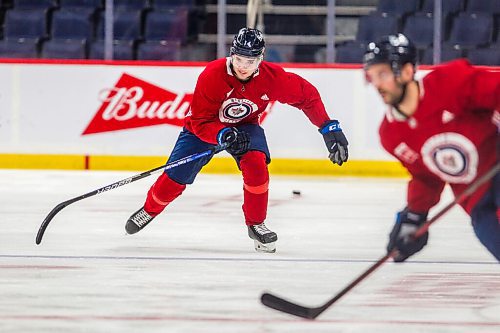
column 443, row 130
column 229, row 98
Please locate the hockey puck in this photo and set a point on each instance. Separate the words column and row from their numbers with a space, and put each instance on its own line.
column 296, row 192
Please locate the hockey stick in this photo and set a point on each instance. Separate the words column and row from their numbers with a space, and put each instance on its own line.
column 122, row 182
column 283, row 305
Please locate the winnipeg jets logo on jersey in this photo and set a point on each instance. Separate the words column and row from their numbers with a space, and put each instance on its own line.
column 234, row 109
column 451, row 156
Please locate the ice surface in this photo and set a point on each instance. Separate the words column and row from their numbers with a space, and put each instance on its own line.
column 194, row 269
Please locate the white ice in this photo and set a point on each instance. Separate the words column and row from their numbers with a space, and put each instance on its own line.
column 194, row 269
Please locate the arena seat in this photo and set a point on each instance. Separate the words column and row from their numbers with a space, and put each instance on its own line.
column 471, row 30
column 485, row 56
column 72, row 24
column 127, row 25
column 122, row 50
column 26, row 23
column 296, row 25
column 398, row 7
column 167, row 4
column 371, row 27
column 19, row 48
column 64, row 49
column 447, row 53
column 482, row 6
column 350, row 52
column 167, row 24
column 279, row 52
column 131, row 4
column 81, row 4
column 38, row 4
column 449, row 7
column 306, row 53
column 420, row 29
column 159, row 50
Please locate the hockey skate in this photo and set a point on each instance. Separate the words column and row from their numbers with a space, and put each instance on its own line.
column 264, row 239
column 138, row 221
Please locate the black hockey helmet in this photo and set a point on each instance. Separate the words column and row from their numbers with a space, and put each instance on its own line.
column 395, row 50
column 248, row 43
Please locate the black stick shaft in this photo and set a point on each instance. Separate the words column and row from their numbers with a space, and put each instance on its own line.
column 117, row 184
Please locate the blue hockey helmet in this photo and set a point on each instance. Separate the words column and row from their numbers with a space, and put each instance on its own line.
column 248, row 43
column 395, row 50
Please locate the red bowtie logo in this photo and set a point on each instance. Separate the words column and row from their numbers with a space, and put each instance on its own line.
column 133, row 103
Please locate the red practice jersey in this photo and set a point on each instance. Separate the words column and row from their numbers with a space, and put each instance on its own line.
column 451, row 138
column 221, row 100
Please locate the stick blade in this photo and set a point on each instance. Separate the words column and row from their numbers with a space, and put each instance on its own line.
column 283, row 305
column 47, row 220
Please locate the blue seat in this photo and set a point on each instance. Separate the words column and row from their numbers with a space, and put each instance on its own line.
column 398, row 7
column 167, row 4
column 307, row 53
column 296, row 25
column 64, row 49
column 350, row 53
column 167, row 24
column 127, row 25
column 19, row 48
column 286, row 2
column 234, row 23
column 483, row 6
column 371, row 27
column 72, row 24
column 484, row 56
column 199, row 52
column 32, row 4
column 122, row 50
column 447, row 53
column 94, row 4
column 279, row 53
column 159, row 50
column 419, row 28
column 471, row 30
column 449, row 7
column 131, row 4
column 25, row 23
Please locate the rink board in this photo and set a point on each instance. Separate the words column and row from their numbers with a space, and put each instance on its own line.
column 127, row 115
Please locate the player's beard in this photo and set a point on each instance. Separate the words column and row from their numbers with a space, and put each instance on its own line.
column 394, row 97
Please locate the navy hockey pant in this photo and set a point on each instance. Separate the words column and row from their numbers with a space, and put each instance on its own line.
column 485, row 218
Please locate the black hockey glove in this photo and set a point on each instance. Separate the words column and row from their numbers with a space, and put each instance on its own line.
column 238, row 141
column 400, row 238
column 335, row 141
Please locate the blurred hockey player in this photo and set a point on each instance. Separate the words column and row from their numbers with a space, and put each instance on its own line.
column 230, row 96
column 443, row 129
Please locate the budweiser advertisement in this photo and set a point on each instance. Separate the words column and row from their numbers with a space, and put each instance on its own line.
column 133, row 103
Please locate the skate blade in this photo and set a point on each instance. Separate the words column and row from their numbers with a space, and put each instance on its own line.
column 266, row 248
